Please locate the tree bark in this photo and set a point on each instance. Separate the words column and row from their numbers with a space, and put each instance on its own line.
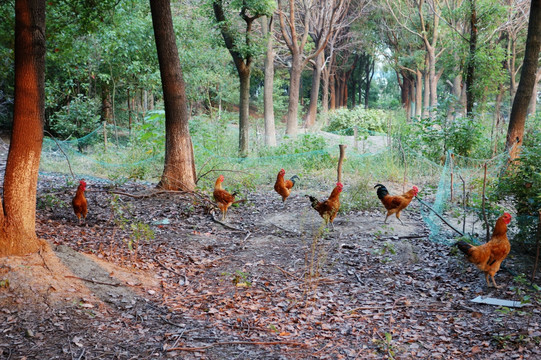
column 314, row 91
column 523, row 96
column 268, row 88
column 470, row 69
column 532, row 108
column 179, row 166
column 18, row 213
column 418, row 93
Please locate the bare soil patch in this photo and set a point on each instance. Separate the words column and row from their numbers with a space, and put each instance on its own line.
column 269, row 283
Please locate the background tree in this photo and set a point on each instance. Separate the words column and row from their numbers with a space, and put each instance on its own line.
column 179, row 167
column 268, row 87
column 295, row 30
column 528, row 77
column 18, row 211
column 242, row 49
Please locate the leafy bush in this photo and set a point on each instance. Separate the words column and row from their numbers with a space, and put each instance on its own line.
column 433, row 136
column 78, row 118
column 367, row 120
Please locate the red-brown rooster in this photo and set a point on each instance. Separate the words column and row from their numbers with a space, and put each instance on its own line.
column 488, row 257
column 282, row 186
column 329, row 208
column 395, row 204
column 79, row 203
column 223, row 198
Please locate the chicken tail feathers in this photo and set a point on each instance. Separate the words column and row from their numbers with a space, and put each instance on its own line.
column 294, row 178
column 313, row 201
column 464, row 246
column 382, row 191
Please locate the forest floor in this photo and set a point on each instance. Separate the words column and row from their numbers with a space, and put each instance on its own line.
column 267, row 283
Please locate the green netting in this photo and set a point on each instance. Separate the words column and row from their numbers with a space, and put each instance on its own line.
column 459, row 193
column 441, row 185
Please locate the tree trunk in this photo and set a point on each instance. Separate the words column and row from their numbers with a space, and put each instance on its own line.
column 418, row 94
column 314, row 91
column 294, row 89
column 179, row 166
column 426, row 95
column 523, row 96
column 18, row 213
column 532, row 108
column 325, row 91
column 497, row 119
column 106, row 107
column 470, row 69
column 244, row 111
column 332, row 88
column 268, row 88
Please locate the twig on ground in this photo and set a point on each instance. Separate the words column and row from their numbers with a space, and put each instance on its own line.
column 290, row 343
column 438, row 215
column 91, row 280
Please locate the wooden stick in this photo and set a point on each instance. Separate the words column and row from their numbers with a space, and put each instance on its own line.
column 483, row 205
column 537, row 243
column 340, row 160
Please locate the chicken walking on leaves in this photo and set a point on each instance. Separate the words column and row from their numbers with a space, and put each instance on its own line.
column 283, row 187
column 488, row 257
column 395, row 204
column 329, row 208
column 223, row 198
column 79, row 203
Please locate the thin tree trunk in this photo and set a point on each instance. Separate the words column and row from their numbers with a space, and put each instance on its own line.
column 470, row 69
column 418, row 94
column 314, row 91
column 244, row 117
column 294, row 90
column 532, row 108
column 268, row 104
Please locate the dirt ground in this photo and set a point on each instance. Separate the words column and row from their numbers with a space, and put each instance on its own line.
column 268, row 283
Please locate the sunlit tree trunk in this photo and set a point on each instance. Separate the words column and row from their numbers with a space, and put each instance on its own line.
column 18, row 211
column 268, row 103
column 523, row 96
column 314, row 91
column 179, row 166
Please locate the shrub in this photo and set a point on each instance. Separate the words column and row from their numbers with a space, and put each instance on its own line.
column 367, row 120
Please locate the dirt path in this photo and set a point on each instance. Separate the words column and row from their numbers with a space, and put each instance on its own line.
column 270, row 283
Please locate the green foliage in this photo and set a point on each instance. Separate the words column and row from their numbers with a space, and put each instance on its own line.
column 434, row 136
column 77, row 118
column 523, row 180
column 344, row 120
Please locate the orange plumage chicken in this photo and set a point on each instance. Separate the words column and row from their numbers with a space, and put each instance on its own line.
column 79, row 203
column 283, row 187
column 395, row 204
column 488, row 257
column 329, row 208
column 222, row 197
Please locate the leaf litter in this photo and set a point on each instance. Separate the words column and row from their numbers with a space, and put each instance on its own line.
column 269, row 284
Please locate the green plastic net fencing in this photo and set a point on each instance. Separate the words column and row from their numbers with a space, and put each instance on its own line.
column 458, row 197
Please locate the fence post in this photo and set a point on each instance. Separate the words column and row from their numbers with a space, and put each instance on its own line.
column 104, row 124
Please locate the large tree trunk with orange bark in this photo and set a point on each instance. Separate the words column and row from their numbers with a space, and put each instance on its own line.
column 523, row 96
column 18, row 211
column 179, row 167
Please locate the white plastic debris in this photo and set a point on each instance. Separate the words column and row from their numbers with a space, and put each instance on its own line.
column 498, row 302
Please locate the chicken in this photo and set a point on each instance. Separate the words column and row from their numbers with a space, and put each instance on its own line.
column 222, row 197
column 488, row 257
column 283, row 187
column 79, row 202
column 329, row 208
column 395, row 204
